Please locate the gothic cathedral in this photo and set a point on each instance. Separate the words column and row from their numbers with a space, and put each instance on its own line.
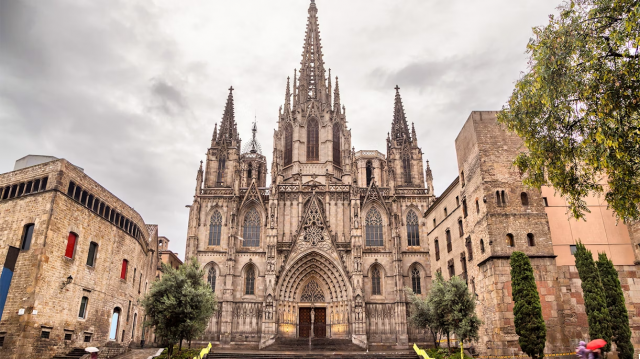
column 329, row 246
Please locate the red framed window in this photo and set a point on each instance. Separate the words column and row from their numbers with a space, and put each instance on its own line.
column 71, row 245
column 123, row 273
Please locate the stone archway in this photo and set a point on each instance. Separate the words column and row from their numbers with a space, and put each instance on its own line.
column 313, row 281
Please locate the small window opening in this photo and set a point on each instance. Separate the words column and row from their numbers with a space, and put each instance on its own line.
column 93, row 250
column 464, row 207
column 445, row 212
column 481, row 245
column 457, row 201
column 524, row 198
column 83, row 308
column 510, row 241
column 71, row 245
column 545, row 202
column 448, row 233
column 531, row 239
column 460, row 228
column 87, row 338
column 45, row 333
column 67, row 336
column 27, row 236
column 573, row 249
column 369, row 172
column 477, row 206
column 123, row 272
column 437, row 249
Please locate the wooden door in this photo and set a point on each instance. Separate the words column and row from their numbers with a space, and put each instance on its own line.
column 304, row 317
column 320, row 323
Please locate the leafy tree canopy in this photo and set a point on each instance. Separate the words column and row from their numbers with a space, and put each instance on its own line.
column 577, row 107
column 180, row 304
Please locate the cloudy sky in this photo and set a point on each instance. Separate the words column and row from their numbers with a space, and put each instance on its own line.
column 131, row 90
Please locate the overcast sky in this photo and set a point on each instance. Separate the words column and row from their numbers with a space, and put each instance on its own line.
column 130, row 90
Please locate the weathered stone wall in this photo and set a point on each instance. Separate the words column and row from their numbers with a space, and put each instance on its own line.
column 37, row 284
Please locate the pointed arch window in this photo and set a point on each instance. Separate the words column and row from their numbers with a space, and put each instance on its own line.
column 413, row 235
column 406, row 167
column 313, row 140
column 249, row 173
column 251, row 229
column 250, row 281
column 211, row 279
column 222, row 162
column 369, row 170
column 373, row 226
column 375, row 282
column 288, row 144
column 336, row 144
column 215, row 229
column 415, row 281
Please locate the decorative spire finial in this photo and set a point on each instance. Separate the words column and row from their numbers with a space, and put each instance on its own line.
column 312, row 79
column 399, row 126
column 228, row 126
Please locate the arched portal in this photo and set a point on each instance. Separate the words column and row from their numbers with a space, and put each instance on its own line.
column 313, row 296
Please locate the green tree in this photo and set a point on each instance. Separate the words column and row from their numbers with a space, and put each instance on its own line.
column 180, row 304
column 577, row 108
column 616, row 306
column 421, row 315
column 527, row 310
column 462, row 318
column 595, row 301
column 440, row 306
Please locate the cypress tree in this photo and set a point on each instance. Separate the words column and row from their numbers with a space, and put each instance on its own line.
column 527, row 310
column 616, row 306
column 595, row 300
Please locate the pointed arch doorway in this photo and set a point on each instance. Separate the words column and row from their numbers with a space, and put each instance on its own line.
column 312, row 318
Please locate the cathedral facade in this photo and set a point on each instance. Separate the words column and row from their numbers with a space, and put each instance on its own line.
column 328, row 247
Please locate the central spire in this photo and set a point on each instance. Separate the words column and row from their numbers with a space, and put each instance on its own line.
column 228, row 127
column 399, row 127
column 312, row 74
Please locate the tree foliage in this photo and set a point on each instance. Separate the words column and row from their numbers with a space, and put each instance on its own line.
column 616, row 306
column 578, row 106
column 180, row 304
column 449, row 308
column 595, row 301
column 527, row 310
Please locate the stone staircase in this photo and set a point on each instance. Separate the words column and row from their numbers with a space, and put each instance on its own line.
column 316, row 348
column 74, row 354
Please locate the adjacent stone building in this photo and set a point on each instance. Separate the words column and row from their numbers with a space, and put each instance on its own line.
column 167, row 256
column 487, row 213
column 328, row 247
column 76, row 261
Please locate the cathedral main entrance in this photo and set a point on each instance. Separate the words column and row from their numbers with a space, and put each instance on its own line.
column 313, row 318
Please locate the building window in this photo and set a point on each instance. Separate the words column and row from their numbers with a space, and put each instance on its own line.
column 481, row 245
column 445, row 212
column 375, row 282
column 373, row 227
column 500, row 198
column 87, row 338
column 545, row 202
column 251, row 229
column 406, row 167
column 222, row 163
column 448, row 233
column 473, row 286
column 123, row 272
column 462, row 178
column 464, row 207
column 434, row 223
column 27, row 236
column 510, row 241
column 460, row 228
column 67, row 336
column 288, row 144
column 369, row 170
column 463, row 264
column 313, row 140
column 250, row 281
column 452, row 268
column 133, row 328
column 531, row 239
column 115, row 319
column 457, row 201
column 45, row 333
column 524, row 198
column 215, row 229
column 249, row 173
column 477, row 206
column 71, row 245
column 336, row 144
column 212, row 279
column 437, row 249
column 93, row 251
column 573, row 249
column 469, row 248
column 415, row 281
column 83, row 308
column 413, row 235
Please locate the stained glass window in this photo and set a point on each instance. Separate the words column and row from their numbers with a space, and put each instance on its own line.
column 413, row 235
column 373, row 224
column 375, row 282
column 215, row 229
column 415, row 281
column 250, row 281
column 251, row 229
column 313, row 140
column 212, row 279
column 336, row 144
column 288, row 144
column 312, row 293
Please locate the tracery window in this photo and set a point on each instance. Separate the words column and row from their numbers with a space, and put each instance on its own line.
column 369, row 172
column 221, row 166
column 375, row 282
column 250, row 281
column 312, row 293
column 212, row 279
column 288, row 144
column 336, row 145
column 413, row 235
column 215, row 229
column 406, row 167
column 415, row 281
column 251, row 229
column 313, row 140
column 373, row 226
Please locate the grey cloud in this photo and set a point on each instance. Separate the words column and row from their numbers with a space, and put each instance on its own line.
column 167, row 97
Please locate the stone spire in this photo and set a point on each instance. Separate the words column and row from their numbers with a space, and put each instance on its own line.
column 336, row 98
column 214, row 138
column 429, row 177
column 413, row 134
column 253, row 146
column 228, row 126
column 312, row 79
column 199, row 179
column 287, row 98
column 399, row 127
